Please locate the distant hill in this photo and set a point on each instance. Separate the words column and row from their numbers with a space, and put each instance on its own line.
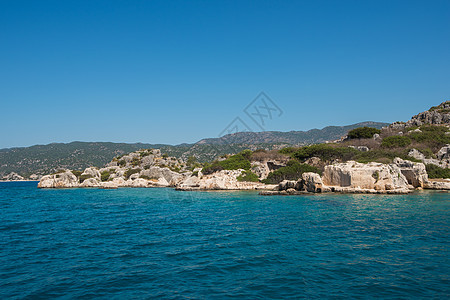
column 45, row 159
column 42, row 159
column 312, row 136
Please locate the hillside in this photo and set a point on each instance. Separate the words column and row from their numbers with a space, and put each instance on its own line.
column 44, row 159
column 312, row 136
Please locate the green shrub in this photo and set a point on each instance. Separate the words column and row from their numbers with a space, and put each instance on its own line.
column 135, row 162
column 144, row 153
column 246, row 154
column 174, row 168
column 234, row 162
column 105, row 176
column 130, row 172
column 440, row 108
column 428, row 153
column 122, row 163
column 76, row 173
column 84, row 177
column 248, row 176
column 195, row 173
column 363, row 133
column 147, row 177
column 432, row 137
column 376, row 175
column 292, row 171
column 211, row 168
column 191, row 160
column 395, row 141
column 437, row 172
column 288, row 150
column 325, row 152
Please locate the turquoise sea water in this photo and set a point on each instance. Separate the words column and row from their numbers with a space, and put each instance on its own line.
column 160, row 243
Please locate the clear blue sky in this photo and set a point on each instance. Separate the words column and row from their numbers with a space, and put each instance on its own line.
column 178, row 71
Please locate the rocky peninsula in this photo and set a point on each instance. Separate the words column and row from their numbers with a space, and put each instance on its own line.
column 397, row 159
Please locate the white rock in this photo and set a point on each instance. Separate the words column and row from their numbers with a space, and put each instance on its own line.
column 376, row 176
column 90, row 182
column 415, row 173
column 65, row 179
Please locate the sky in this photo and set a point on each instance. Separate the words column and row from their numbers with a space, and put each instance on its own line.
column 178, row 71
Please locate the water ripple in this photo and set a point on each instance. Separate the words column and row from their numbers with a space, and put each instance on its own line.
column 160, row 243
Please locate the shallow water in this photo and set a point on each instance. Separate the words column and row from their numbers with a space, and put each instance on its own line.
column 161, row 243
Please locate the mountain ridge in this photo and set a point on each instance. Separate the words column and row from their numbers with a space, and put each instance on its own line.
column 290, row 137
column 44, row 159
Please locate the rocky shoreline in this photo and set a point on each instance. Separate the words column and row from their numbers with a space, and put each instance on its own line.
column 329, row 169
column 399, row 177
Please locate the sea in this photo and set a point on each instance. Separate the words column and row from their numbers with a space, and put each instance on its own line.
column 158, row 243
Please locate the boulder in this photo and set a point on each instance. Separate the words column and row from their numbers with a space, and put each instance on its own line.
column 416, row 154
column 312, row 182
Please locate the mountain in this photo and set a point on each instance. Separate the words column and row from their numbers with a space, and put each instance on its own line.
column 45, row 159
column 312, row 136
column 42, row 159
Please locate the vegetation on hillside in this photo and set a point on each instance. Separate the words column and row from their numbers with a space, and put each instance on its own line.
column 434, row 171
column 234, row 162
column 248, row 176
column 363, row 133
column 292, row 171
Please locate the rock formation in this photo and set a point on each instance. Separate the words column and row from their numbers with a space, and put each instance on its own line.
column 442, row 157
column 370, row 177
column 63, row 179
column 221, row 180
column 13, row 177
column 144, row 168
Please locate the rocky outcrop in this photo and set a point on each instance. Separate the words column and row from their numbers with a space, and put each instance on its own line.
column 221, row 180
column 145, row 168
column 415, row 173
column 263, row 168
column 94, row 173
column 35, row 177
column 435, row 116
column 442, row 157
column 12, row 177
column 371, row 177
column 438, row 184
column 63, row 179
column 444, row 154
column 349, row 177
